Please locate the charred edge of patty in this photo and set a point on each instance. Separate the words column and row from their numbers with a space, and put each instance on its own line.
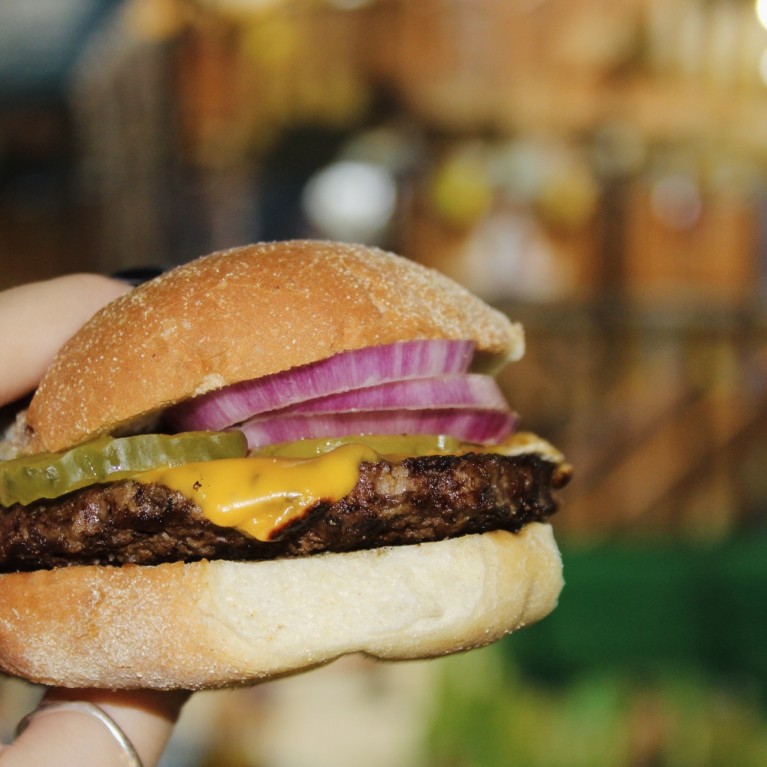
column 411, row 501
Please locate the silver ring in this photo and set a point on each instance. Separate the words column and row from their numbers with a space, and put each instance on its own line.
column 129, row 756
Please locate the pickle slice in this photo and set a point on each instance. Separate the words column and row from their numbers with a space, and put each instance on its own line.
column 383, row 444
column 106, row 459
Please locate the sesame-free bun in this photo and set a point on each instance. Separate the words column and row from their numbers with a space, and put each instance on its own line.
column 242, row 314
column 216, row 624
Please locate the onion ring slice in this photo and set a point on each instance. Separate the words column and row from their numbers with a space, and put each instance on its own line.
column 342, row 372
column 462, row 390
column 468, row 425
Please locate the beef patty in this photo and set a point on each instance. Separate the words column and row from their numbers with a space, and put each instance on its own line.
column 394, row 503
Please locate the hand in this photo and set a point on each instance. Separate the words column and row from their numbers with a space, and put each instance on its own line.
column 35, row 320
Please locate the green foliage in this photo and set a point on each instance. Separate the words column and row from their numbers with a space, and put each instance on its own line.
column 490, row 715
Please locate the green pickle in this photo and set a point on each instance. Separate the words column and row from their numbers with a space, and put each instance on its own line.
column 390, row 445
column 107, row 459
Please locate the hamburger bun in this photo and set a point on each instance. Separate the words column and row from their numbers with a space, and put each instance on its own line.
column 217, row 624
column 196, row 328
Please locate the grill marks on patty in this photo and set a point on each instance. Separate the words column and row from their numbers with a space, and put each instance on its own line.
column 394, row 503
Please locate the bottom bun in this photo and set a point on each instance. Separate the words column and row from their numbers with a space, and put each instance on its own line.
column 215, row 624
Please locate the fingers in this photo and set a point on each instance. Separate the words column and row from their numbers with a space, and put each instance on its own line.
column 36, row 319
column 72, row 738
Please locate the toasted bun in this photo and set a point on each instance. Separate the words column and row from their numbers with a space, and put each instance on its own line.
column 214, row 624
column 242, row 314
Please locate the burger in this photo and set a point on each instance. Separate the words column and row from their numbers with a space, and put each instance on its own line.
column 268, row 458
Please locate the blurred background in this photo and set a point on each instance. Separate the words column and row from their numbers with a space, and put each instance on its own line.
column 597, row 169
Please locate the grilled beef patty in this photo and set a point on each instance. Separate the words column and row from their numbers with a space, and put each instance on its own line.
column 394, row 503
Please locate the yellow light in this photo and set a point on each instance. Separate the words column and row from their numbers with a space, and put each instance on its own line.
column 760, row 6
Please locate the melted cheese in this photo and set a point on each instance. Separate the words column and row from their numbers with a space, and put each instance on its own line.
column 259, row 495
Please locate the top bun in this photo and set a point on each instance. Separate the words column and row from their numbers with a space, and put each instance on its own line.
column 242, row 314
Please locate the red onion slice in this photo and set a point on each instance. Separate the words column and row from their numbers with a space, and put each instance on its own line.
column 469, row 390
column 342, row 372
column 479, row 426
